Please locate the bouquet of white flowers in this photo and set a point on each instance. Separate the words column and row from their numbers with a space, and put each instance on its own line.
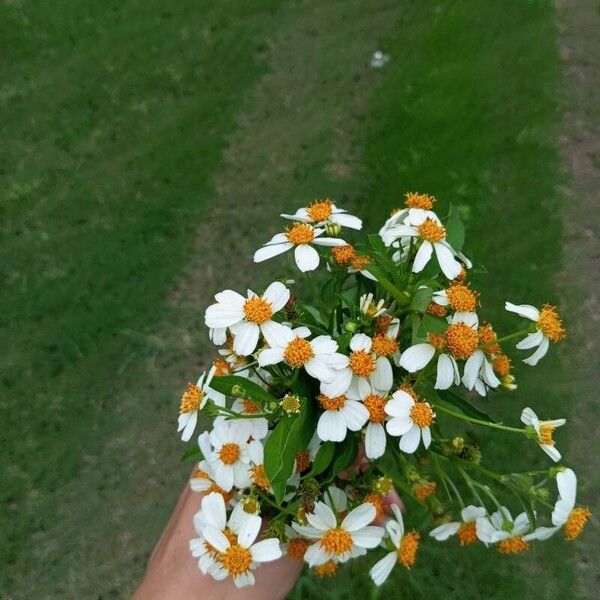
column 334, row 393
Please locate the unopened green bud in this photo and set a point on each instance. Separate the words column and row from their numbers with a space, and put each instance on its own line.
column 333, row 229
column 238, row 391
column 350, row 326
column 291, row 404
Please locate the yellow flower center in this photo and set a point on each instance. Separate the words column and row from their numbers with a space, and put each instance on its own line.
column 300, row 233
column 298, row 352
column 415, row 200
column 576, row 522
column 250, row 407
column 332, row 403
column 236, row 559
column 360, row 262
column 343, row 254
column 421, row 414
column 424, row 490
column 362, row 363
column 550, row 323
column 257, row 310
column 431, row 231
column 221, row 367
column 513, row 545
column 487, row 339
column 227, row 496
column 259, row 477
column 200, row 474
column 462, row 340
column 382, row 324
column 251, row 505
column 327, row 569
column 375, row 405
column 213, row 551
column 384, row 346
column 291, row 403
column 302, row 461
column 191, row 399
column 461, row 298
column 467, row 533
column 545, row 434
column 437, row 340
column 320, row 210
column 501, row 365
column 297, row 548
column 437, row 310
column 229, row 453
column 337, row 541
column 377, row 501
column 407, row 551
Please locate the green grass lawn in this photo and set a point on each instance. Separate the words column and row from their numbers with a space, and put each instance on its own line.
column 140, row 142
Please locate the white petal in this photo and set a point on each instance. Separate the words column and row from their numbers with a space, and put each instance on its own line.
column 315, row 555
column 523, row 310
column 383, row 378
column 445, row 373
column 223, row 476
column 426, row 435
column 355, row 413
column 270, row 356
column 422, row 257
column 249, row 530
column 213, row 509
column 416, row 357
column 567, row 485
column 528, row 417
column 189, row 426
column 323, row 344
column 400, row 404
column 375, row 440
column 311, row 533
column 538, row 354
column 551, row 451
column 267, row 252
column 443, row 532
column 331, row 426
column 472, row 368
column 368, row 537
column 322, row 517
column 319, row 370
column 339, row 385
column 349, row 221
column 222, row 315
column 399, row 425
column 382, row 568
column 276, row 334
column 246, row 338
column 277, row 295
column 244, row 579
column 360, row 341
column 471, row 513
column 307, row 258
column 216, row 538
column 531, row 341
column 326, row 241
column 266, row 550
column 409, row 442
column 451, row 268
column 359, row 517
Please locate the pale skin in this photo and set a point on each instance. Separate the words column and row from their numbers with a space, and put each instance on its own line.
column 173, row 574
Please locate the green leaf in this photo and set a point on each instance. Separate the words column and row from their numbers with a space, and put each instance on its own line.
column 455, row 402
column 431, row 324
column 345, row 455
column 377, row 244
column 455, row 229
column 421, row 299
column 244, row 389
column 192, row 453
column 323, row 458
column 290, row 436
column 311, row 315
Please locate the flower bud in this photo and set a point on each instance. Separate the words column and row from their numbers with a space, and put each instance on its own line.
column 350, row 326
column 291, row 404
column 332, row 229
column 238, row 391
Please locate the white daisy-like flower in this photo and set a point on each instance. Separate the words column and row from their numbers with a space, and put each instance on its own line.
column 238, row 555
column 362, row 367
column 549, row 329
column 374, row 401
column 565, row 514
column 259, row 426
column 417, row 207
column 461, row 299
column 432, row 236
column 318, row 356
column 499, row 528
column 248, row 317
column 466, row 528
column 479, row 373
column 202, row 478
column 226, row 451
column 410, row 420
column 460, row 341
column 339, row 542
column 404, row 552
column 340, row 414
column 301, row 237
column 544, row 431
column 321, row 212
column 370, row 308
column 193, row 400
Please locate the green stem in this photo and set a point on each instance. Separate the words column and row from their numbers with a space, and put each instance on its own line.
column 512, row 336
column 232, row 413
column 479, row 421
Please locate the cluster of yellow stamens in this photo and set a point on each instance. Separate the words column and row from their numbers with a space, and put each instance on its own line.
column 487, row 339
column 513, row 545
column 416, row 200
column 462, row 298
column 250, row 407
column 382, row 324
column 550, row 323
column 376, row 406
column 360, row 262
column 545, row 434
column 320, row 210
column 327, row 569
column 222, row 367
column 297, row 547
column 377, row 501
column 229, row 453
column 421, row 414
column 298, row 352
column 407, row 552
column 425, row 489
column 332, row 403
column 431, row 231
column 576, row 522
column 302, row 461
column 362, row 363
column 383, row 345
column 462, row 340
column 257, row 310
column 259, row 477
column 236, row 559
column 291, row 403
column 501, row 365
column 191, row 399
column 467, row 533
column 437, row 310
column 300, row 233
column 336, row 541
column 343, row 255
